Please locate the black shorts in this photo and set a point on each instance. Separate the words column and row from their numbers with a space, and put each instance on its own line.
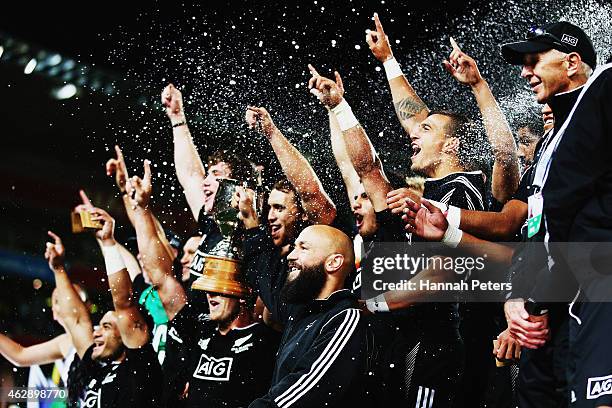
column 590, row 365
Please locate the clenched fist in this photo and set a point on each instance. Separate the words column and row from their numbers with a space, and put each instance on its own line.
column 172, row 99
column 259, row 118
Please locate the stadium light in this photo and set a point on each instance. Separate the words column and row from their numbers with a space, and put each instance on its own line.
column 65, row 92
column 29, row 68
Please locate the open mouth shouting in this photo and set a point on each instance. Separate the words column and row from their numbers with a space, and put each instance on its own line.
column 358, row 219
column 416, row 149
column 98, row 346
column 213, row 304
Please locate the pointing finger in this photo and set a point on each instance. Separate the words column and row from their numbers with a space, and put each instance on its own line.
column 312, row 70
column 147, row 172
column 454, row 44
column 85, row 199
column 55, row 237
column 339, row 80
column 379, row 26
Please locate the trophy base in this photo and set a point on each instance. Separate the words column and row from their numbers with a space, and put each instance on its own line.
column 222, row 276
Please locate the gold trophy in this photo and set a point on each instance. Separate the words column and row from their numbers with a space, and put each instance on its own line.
column 222, row 271
column 81, row 221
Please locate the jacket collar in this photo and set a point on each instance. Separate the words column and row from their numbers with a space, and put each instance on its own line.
column 562, row 104
column 318, row 305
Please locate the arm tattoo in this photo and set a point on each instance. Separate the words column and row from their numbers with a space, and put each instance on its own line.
column 408, row 107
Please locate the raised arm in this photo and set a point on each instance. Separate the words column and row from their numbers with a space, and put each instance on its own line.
column 131, row 324
column 189, row 168
column 153, row 245
column 37, row 354
column 130, row 260
column 118, row 167
column 506, row 173
column 349, row 175
column 316, row 202
column 410, row 109
column 365, row 161
column 71, row 308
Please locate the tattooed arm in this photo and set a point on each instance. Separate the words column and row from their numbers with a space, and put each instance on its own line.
column 410, row 109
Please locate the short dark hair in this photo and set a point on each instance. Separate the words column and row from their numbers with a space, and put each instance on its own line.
column 287, row 187
column 474, row 149
column 241, row 169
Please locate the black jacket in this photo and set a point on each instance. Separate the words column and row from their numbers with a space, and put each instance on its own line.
column 578, row 190
column 265, row 267
column 530, row 269
column 321, row 359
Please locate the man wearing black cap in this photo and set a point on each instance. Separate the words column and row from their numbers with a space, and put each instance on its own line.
column 578, row 211
column 557, row 61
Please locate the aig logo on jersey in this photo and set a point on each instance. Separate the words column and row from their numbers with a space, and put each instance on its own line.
column 91, row 398
column 210, row 368
column 598, row 386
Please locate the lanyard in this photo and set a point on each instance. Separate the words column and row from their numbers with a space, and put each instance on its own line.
column 543, row 166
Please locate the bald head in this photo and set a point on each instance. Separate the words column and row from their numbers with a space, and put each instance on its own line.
column 331, row 241
column 326, row 249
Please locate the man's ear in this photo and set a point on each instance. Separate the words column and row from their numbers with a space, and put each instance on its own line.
column 451, row 145
column 574, row 64
column 334, row 263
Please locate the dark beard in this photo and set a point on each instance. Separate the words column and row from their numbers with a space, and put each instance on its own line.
column 305, row 287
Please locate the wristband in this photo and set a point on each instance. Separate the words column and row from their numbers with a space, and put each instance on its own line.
column 443, row 207
column 453, row 216
column 345, row 116
column 377, row 304
column 452, row 236
column 112, row 259
column 392, row 69
column 177, row 124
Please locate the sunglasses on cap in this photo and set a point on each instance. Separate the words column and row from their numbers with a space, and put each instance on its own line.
column 538, row 32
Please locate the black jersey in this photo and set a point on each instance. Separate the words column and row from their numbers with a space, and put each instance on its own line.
column 266, row 267
column 465, row 190
column 229, row 370
column 134, row 382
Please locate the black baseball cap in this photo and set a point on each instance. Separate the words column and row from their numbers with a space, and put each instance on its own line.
column 562, row 36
